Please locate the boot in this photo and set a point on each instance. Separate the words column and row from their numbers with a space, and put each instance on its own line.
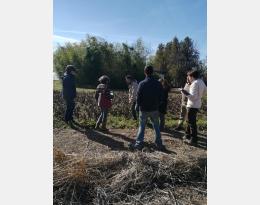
column 103, row 127
column 179, row 128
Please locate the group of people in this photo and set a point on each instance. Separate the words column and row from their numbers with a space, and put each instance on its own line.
column 147, row 100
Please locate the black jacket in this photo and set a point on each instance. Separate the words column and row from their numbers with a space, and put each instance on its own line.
column 149, row 95
column 164, row 102
column 68, row 87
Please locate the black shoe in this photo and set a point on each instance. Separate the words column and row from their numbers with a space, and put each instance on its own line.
column 178, row 128
column 192, row 141
column 161, row 148
column 104, row 129
column 133, row 146
column 97, row 127
column 162, row 129
column 70, row 123
column 186, row 138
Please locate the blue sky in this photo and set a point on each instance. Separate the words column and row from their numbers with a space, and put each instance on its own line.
column 155, row 21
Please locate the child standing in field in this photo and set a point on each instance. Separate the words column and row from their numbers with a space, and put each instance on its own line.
column 104, row 98
column 132, row 85
column 164, row 103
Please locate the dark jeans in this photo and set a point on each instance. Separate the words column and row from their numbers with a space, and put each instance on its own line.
column 102, row 118
column 191, row 129
column 162, row 121
column 133, row 111
column 70, row 105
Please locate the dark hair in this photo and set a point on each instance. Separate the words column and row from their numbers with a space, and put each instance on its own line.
column 129, row 77
column 194, row 74
column 148, row 70
column 70, row 68
column 104, row 79
column 165, row 84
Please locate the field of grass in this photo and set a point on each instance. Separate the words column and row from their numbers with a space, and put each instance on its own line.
column 86, row 111
column 57, row 86
column 95, row 167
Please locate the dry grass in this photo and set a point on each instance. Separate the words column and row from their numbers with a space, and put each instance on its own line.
column 128, row 178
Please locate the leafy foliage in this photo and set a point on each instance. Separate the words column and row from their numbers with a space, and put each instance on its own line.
column 176, row 58
column 94, row 57
column 86, row 111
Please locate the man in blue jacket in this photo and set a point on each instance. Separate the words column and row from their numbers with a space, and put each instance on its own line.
column 149, row 97
column 69, row 92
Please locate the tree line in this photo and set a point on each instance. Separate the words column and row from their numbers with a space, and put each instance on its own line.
column 95, row 56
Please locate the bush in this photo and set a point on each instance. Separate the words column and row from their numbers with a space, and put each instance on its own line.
column 86, row 110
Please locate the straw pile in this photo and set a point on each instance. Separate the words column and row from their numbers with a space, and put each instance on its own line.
column 128, row 178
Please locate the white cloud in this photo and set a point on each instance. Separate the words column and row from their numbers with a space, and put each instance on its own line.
column 62, row 39
column 70, row 31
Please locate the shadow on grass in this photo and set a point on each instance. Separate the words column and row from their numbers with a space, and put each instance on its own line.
column 105, row 138
column 99, row 137
column 150, row 147
column 202, row 140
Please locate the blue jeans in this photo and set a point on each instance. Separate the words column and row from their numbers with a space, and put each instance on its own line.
column 162, row 121
column 154, row 117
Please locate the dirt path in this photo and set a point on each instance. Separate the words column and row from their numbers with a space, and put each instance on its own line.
column 95, row 143
column 121, row 169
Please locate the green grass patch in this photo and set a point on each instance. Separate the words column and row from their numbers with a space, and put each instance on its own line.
column 57, row 85
column 121, row 122
column 90, row 123
column 58, row 123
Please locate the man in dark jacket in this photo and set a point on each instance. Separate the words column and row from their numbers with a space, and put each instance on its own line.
column 69, row 92
column 149, row 97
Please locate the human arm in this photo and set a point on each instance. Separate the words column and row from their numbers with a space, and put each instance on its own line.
column 193, row 91
column 97, row 94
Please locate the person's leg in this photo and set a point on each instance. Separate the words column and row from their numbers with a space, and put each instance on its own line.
column 162, row 121
column 72, row 107
column 193, row 124
column 182, row 116
column 133, row 111
column 69, row 110
column 140, row 134
column 104, row 118
column 188, row 130
column 66, row 112
column 154, row 116
column 99, row 119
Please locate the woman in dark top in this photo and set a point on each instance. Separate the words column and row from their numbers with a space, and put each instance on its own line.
column 164, row 102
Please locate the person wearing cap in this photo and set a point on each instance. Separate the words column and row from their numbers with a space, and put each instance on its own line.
column 69, row 92
column 149, row 97
column 132, row 92
column 196, row 91
column 104, row 98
